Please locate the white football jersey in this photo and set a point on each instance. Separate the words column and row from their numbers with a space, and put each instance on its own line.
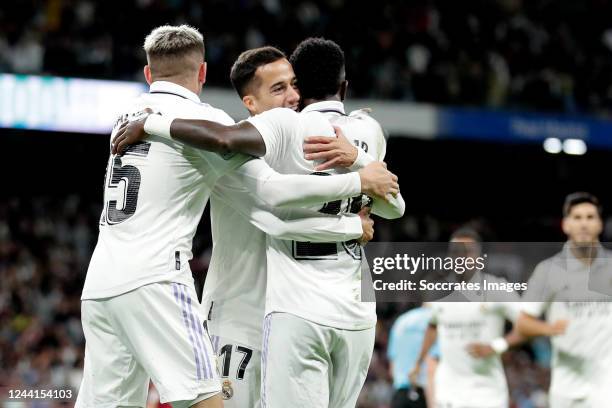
column 235, row 287
column 154, row 196
column 582, row 356
column 461, row 378
column 320, row 282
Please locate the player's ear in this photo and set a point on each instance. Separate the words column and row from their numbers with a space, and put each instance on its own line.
column 599, row 226
column 202, row 73
column 343, row 89
column 565, row 226
column 249, row 103
column 147, row 74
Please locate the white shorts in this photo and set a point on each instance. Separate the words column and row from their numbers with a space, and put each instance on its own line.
column 240, row 371
column 307, row 365
column 155, row 332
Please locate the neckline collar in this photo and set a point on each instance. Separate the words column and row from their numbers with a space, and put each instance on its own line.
column 326, row 106
column 567, row 249
column 166, row 87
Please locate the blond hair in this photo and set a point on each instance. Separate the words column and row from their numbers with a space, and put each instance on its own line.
column 173, row 50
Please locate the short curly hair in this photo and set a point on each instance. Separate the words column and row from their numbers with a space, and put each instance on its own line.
column 319, row 67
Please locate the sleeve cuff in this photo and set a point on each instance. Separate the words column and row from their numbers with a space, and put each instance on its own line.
column 355, row 183
column 354, row 230
column 158, row 125
column 362, row 160
column 266, row 132
column 500, row 345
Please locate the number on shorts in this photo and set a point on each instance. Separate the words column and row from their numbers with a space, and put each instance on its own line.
column 226, row 356
column 226, row 352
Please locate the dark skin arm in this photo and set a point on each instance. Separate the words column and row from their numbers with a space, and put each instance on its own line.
column 241, row 138
column 202, row 134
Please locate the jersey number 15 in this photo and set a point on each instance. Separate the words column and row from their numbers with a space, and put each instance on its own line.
column 122, row 185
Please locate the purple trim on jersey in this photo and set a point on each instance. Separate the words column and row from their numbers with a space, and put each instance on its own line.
column 184, row 312
column 215, row 343
column 200, row 337
column 264, row 357
column 198, row 341
column 174, row 289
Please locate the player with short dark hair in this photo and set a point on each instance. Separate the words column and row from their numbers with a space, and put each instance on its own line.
column 264, row 80
column 316, row 325
column 581, row 197
column 235, row 288
column 319, row 66
column 244, row 68
column 572, row 289
column 235, row 297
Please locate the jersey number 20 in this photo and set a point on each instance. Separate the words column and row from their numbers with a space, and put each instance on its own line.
column 329, row 250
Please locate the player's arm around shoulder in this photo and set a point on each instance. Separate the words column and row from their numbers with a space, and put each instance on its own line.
column 314, row 123
column 339, row 152
column 278, row 127
column 210, row 135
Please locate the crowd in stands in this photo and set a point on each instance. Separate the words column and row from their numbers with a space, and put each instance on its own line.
column 517, row 54
column 45, row 246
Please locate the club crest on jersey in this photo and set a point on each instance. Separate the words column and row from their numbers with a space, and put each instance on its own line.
column 227, row 390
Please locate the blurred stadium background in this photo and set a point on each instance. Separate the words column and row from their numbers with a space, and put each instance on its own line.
column 496, row 109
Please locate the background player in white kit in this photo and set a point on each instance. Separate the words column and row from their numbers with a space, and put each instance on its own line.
column 139, row 315
column 470, row 336
column 578, row 315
